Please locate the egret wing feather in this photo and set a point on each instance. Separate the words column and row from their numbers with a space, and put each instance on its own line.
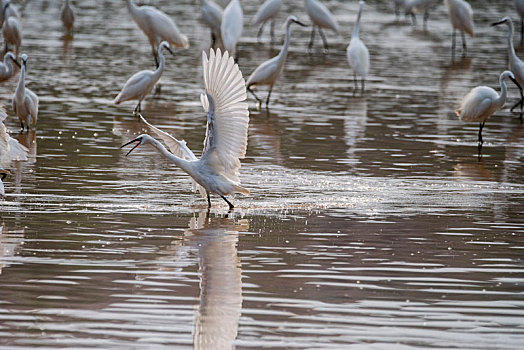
column 164, row 27
column 134, row 87
column 477, row 104
column 17, row 151
column 358, row 57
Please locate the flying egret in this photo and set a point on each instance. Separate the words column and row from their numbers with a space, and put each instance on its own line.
column 141, row 83
column 6, row 68
column 12, row 34
column 212, row 17
column 481, row 102
column 519, row 6
column 268, row 11
column 516, row 66
column 461, row 18
column 357, row 52
column 68, row 17
column 25, row 101
column 412, row 7
column 269, row 71
column 157, row 26
column 231, row 26
column 225, row 144
column 321, row 18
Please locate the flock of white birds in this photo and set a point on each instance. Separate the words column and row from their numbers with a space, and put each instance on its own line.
column 217, row 171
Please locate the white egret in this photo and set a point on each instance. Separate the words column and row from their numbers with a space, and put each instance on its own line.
column 212, row 17
column 231, row 26
column 399, row 4
column 68, row 17
column 481, row 102
column 12, row 34
column 3, row 175
column 321, row 18
column 8, row 10
column 6, row 68
column 461, row 18
column 141, row 83
column 412, row 7
column 25, row 101
column 357, row 52
column 10, row 148
column 225, row 144
column 268, row 11
column 516, row 66
column 269, row 71
column 157, row 26
column 519, row 6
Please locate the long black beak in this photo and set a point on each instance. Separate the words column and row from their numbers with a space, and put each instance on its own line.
column 169, row 49
column 138, row 139
column 16, row 62
column 497, row 23
column 516, row 83
column 300, row 23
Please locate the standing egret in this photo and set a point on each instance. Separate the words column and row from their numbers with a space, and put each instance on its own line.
column 461, row 18
column 267, row 11
column 269, row 71
column 225, row 144
column 6, row 68
column 12, row 34
column 212, row 17
column 157, row 26
column 231, row 26
column 68, row 17
column 10, row 148
column 321, row 18
column 357, row 52
column 25, row 101
column 412, row 7
column 516, row 66
column 481, row 102
column 519, row 6
column 399, row 4
column 141, row 83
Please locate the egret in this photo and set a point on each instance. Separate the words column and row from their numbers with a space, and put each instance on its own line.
column 399, row 4
column 516, row 66
column 141, row 83
column 357, row 52
column 12, row 34
column 519, row 6
column 231, row 26
column 321, row 18
column 8, row 10
column 269, row 71
column 268, row 11
column 413, row 7
column 461, row 18
column 225, row 144
column 25, row 101
column 10, row 148
column 157, row 26
column 3, row 175
column 481, row 102
column 212, row 17
column 68, row 17
column 6, row 68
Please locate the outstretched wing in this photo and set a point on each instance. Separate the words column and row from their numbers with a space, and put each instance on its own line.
column 177, row 147
column 227, row 115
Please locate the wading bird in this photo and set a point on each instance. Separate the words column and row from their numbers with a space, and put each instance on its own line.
column 141, row 83
column 231, row 26
column 399, row 4
column 321, row 18
column 461, row 18
column 268, row 11
column 519, row 6
column 412, row 7
column 157, row 26
column 8, row 10
column 25, row 101
column 6, row 68
column 12, row 35
column 68, row 17
column 516, row 66
column 225, row 144
column 481, row 102
column 212, row 17
column 357, row 52
column 3, row 175
column 269, row 71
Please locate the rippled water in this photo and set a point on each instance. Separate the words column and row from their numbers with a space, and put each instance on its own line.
column 370, row 224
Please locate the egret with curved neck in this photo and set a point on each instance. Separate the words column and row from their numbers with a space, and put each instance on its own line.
column 269, row 71
column 357, row 52
column 25, row 101
column 481, row 102
column 6, row 68
column 141, row 83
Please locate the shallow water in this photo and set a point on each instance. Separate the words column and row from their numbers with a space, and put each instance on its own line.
column 370, row 224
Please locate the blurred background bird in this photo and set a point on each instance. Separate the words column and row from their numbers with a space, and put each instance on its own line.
column 321, row 18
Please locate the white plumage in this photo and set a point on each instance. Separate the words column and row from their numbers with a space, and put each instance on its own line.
column 68, row 17
column 266, row 12
column 519, row 6
column 157, row 26
column 217, row 171
column 412, row 7
column 25, row 101
column 212, row 17
column 232, row 25
column 357, row 52
column 6, row 68
column 12, row 34
column 141, row 83
column 321, row 18
column 461, row 18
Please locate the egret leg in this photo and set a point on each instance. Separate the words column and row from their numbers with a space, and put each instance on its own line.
column 521, row 30
column 355, row 81
column 231, row 206
column 480, row 138
column 155, row 55
column 213, row 39
column 22, row 125
column 253, row 93
column 464, row 47
column 208, row 201
column 272, row 30
column 269, row 95
column 521, row 102
column 453, row 45
column 362, row 87
column 413, row 19
column 323, row 38
column 260, row 30
column 426, row 16
column 312, row 38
